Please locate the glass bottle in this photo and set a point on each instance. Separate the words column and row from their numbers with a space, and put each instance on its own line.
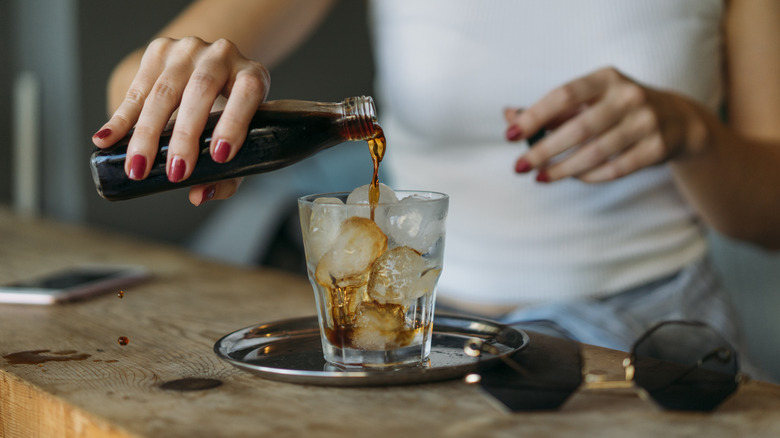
column 281, row 133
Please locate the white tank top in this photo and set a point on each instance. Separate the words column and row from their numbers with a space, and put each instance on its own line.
column 445, row 71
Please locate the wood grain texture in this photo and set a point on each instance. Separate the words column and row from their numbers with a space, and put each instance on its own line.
column 173, row 321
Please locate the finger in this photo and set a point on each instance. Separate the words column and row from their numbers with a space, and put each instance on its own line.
column 628, row 131
column 564, row 100
column 219, row 190
column 511, row 113
column 247, row 92
column 583, row 127
column 514, row 133
column 151, row 122
column 198, row 97
column 126, row 115
column 161, row 103
column 643, row 154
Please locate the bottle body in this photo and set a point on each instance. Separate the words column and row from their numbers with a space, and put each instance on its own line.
column 281, row 133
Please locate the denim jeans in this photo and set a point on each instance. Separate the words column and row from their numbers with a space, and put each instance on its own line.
column 694, row 293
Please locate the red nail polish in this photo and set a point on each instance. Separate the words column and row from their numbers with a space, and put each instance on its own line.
column 103, row 133
column 514, row 133
column 208, row 194
column 542, row 177
column 178, row 167
column 522, row 166
column 137, row 167
column 221, row 151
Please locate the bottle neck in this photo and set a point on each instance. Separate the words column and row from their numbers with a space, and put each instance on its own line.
column 359, row 118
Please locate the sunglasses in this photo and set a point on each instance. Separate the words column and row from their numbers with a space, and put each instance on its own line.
column 680, row 365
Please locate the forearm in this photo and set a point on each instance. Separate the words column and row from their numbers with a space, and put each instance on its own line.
column 733, row 177
column 734, row 183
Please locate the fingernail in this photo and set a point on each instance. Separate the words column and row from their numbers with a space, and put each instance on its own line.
column 522, row 166
column 542, row 177
column 137, row 167
column 513, row 133
column 208, row 194
column 103, row 133
column 178, row 167
column 221, row 151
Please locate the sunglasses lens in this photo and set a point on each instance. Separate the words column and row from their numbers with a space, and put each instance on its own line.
column 540, row 377
column 685, row 366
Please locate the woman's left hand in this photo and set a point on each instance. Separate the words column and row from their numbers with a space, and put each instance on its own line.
column 607, row 125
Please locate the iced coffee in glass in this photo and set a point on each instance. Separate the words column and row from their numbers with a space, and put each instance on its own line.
column 374, row 268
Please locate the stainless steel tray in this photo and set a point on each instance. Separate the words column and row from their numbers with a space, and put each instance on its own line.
column 291, row 351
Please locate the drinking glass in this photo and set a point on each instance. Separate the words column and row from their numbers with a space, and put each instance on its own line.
column 374, row 270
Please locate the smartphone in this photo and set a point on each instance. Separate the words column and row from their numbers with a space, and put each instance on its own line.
column 72, row 284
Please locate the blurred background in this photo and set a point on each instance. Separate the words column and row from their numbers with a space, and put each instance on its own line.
column 55, row 59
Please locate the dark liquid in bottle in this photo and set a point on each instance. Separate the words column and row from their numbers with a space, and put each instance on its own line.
column 275, row 139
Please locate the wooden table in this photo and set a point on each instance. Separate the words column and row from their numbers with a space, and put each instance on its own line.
column 173, row 321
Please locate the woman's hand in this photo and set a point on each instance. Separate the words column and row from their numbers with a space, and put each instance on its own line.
column 187, row 76
column 605, row 126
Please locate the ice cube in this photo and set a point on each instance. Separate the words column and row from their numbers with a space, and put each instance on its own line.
column 327, row 215
column 360, row 195
column 413, row 223
column 358, row 199
column 380, row 327
column 401, row 276
column 359, row 242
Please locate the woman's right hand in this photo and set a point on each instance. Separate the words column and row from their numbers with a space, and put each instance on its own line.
column 188, row 77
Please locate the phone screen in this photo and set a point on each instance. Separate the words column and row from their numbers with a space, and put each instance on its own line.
column 70, row 284
column 64, row 280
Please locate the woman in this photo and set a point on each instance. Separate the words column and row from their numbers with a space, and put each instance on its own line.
column 600, row 226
